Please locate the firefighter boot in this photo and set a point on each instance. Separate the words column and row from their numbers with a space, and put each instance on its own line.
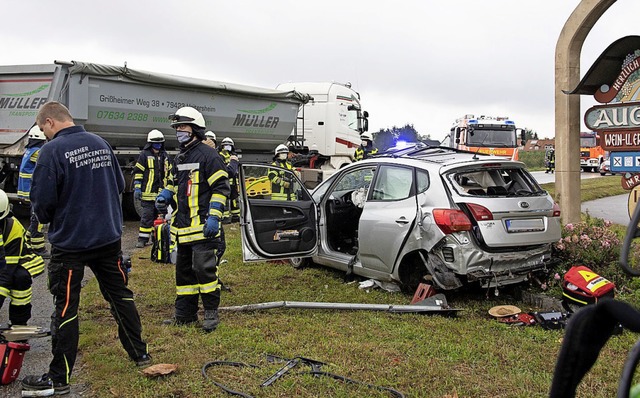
column 211, row 321
column 141, row 242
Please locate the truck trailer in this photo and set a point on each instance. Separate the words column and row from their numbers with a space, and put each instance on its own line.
column 122, row 105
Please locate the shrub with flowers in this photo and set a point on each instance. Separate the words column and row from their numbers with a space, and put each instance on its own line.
column 591, row 243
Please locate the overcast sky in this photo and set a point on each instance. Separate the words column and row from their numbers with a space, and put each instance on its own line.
column 423, row 62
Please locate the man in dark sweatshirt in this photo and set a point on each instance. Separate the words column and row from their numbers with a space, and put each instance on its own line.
column 76, row 190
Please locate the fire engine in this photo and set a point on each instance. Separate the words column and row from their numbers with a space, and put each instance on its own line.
column 491, row 135
column 591, row 153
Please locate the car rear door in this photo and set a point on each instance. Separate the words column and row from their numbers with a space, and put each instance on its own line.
column 275, row 226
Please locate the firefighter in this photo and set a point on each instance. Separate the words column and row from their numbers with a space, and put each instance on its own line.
column 151, row 172
column 18, row 265
column 550, row 160
column 210, row 139
column 199, row 187
column 227, row 151
column 281, row 182
column 35, row 234
column 366, row 148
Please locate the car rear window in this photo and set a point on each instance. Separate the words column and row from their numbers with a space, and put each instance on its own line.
column 494, row 182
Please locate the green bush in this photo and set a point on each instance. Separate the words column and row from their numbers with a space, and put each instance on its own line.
column 533, row 159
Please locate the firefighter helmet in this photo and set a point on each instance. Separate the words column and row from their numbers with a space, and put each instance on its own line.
column 188, row 115
column 36, row 134
column 4, row 205
column 227, row 141
column 282, row 148
column 210, row 134
column 155, row 136
column 366, row 136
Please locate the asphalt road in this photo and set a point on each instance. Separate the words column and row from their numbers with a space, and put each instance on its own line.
column 36, row 360
column 614, row 208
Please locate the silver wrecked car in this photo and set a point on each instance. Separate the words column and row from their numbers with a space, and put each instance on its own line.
column 434, row 213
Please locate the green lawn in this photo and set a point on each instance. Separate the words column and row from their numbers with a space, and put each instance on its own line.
column 469, row 355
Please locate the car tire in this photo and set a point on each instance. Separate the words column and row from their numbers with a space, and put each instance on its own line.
column 300, row 262
column 603, row 174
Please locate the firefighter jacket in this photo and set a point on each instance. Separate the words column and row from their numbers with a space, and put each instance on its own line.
column 281, row 183
column 200, row 184
column 76, row 189
column 362, row 153
column 232, row 166
column 16, row 253
column 29, row 160
column 151, row 172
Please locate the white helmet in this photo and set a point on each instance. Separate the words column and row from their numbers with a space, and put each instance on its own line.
column 210, row 134
column 155, row 136
column 366, row 136
column 227, row 141
column 188, row 115
column 4, row 204
column 282, row 148
column 36, row 133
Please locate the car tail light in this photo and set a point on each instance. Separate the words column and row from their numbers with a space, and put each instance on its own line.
column 556, row 210
column 480, row 213
column 450, row 220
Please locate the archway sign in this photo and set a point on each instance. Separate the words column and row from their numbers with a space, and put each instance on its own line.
column 614, row 81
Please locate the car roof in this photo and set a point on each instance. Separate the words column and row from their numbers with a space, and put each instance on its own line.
column 441, row 156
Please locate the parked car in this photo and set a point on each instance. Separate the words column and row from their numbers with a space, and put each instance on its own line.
column 605, row 168
column 424, row 213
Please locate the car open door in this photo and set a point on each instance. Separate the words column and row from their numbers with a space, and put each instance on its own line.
column 278, row 215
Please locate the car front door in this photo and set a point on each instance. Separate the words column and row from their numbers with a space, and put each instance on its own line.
column 278, row 215
column 388, row 217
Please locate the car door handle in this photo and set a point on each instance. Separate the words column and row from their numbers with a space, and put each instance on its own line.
column 402, row 220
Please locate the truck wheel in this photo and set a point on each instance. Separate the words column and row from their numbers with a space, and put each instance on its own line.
column 131, row 207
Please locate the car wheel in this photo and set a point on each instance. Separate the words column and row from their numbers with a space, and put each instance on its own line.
column 602, row 174
column 300, row 262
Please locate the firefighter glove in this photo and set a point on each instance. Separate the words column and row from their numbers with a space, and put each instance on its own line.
column 137, row 194
column 211, row 227
column 163, row 200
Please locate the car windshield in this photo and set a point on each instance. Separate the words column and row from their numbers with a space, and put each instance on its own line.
column 488, row 138
column 494, row 181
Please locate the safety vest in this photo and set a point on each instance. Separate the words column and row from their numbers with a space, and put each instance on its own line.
column 278, row 189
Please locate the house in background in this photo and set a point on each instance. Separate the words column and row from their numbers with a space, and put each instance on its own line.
column 539, row 145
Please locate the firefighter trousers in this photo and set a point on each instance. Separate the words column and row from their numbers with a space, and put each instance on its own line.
column 148, row 215
column 65, row 272
column 196, row 277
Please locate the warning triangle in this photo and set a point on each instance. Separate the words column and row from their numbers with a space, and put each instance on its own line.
column 588, row 275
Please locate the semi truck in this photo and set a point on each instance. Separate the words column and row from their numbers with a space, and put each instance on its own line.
column 492, row 135
column 122, row 105
column 328, row 127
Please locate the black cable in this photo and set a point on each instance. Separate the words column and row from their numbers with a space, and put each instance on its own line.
column 222, row 386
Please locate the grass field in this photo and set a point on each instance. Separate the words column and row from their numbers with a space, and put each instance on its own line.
column 468, row 355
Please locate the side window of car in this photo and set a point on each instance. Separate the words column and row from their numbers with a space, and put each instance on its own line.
column 360, row 178
column 393, row 183
column 422, row 181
